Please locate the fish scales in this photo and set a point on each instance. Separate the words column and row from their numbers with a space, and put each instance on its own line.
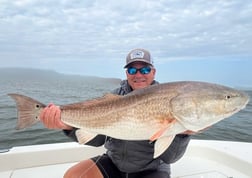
column 128, row 115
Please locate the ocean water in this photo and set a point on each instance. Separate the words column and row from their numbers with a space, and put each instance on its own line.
column 64, row 90
column 56, row 89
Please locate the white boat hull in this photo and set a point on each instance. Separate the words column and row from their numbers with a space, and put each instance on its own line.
column 203, row 159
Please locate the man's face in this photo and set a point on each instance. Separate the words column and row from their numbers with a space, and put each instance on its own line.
column 138, row 80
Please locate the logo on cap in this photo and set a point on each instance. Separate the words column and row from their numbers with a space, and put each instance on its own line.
column 137, row 54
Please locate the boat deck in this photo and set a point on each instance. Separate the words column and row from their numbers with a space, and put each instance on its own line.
column 203, row 159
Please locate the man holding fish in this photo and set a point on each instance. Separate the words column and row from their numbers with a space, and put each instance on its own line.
column 142, row 124
column 124, row 158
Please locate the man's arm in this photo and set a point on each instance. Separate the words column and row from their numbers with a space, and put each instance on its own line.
column 177, row 148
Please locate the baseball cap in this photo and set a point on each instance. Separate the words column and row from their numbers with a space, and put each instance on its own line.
column 140, row 55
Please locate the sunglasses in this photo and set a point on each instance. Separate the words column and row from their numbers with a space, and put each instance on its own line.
column 143, row 70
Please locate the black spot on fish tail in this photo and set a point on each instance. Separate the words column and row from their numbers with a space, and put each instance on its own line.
column 28, row 110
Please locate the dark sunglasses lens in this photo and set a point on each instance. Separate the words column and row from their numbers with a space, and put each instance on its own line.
column 132, row 70
column 145, row 70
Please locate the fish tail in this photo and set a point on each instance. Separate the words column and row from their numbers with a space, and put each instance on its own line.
column 28, row 110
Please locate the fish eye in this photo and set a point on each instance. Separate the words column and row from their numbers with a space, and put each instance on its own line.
column 227, row 96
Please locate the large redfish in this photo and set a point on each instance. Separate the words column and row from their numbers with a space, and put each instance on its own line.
column 158, row 112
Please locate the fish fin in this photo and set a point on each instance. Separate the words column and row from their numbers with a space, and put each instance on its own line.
column 28, row 110
column 162, row 144
column 167, row 123
column 84, row 136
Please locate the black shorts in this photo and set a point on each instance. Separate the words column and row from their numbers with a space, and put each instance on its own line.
column 109, row 170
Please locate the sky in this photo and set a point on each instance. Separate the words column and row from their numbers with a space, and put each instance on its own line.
column 188, row 39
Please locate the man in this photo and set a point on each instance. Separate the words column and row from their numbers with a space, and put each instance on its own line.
column 123, row 159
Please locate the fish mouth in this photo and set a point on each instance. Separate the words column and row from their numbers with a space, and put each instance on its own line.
column 243, row 104
column 247, row 99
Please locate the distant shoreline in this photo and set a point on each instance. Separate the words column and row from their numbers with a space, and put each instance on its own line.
column 12, row 72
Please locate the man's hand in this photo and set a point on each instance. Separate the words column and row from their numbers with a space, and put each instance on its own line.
column 50, row 117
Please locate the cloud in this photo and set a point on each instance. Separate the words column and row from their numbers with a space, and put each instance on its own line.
column 38, row 30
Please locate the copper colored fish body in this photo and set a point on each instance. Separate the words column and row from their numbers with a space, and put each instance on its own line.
column 158, row 112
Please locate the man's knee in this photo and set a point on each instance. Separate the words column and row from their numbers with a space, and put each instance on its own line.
column 87, row 169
